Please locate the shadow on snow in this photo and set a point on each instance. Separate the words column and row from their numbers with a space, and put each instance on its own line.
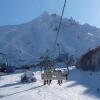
column 14, row 84
column 90, row 80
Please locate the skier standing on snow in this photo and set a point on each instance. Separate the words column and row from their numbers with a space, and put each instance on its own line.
column 49, row 75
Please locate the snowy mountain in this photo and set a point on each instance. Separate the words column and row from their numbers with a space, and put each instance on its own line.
column 24, row 43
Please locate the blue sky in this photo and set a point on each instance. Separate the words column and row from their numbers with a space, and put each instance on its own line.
column 20, row 11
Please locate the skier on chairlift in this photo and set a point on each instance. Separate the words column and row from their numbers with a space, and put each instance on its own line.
column 49, row 74
column 59, row 80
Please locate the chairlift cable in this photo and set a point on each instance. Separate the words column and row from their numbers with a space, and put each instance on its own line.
column 60, row 23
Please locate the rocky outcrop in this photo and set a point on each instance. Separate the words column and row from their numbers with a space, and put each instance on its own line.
column 90, row 60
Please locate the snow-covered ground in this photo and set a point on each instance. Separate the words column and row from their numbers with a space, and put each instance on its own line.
column 80, row 86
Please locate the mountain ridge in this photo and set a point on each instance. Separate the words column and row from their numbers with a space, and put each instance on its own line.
column 24, row 43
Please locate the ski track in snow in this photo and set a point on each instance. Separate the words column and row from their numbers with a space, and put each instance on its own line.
column 12, row 89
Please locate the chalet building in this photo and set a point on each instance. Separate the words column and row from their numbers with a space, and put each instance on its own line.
column 90, row 60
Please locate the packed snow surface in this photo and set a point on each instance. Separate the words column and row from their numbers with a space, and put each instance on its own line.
column 80, row 86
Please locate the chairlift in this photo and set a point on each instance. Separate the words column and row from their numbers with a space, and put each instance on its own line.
column 48, row 62
column 48, row 67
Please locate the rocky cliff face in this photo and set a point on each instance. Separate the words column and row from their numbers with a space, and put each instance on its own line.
column 90, row 60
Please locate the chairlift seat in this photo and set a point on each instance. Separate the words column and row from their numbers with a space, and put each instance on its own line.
column 56, row 75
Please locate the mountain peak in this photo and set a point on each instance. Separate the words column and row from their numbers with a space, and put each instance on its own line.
column 45, row 14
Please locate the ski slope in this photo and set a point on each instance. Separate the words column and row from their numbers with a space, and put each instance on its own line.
column 80, row 86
